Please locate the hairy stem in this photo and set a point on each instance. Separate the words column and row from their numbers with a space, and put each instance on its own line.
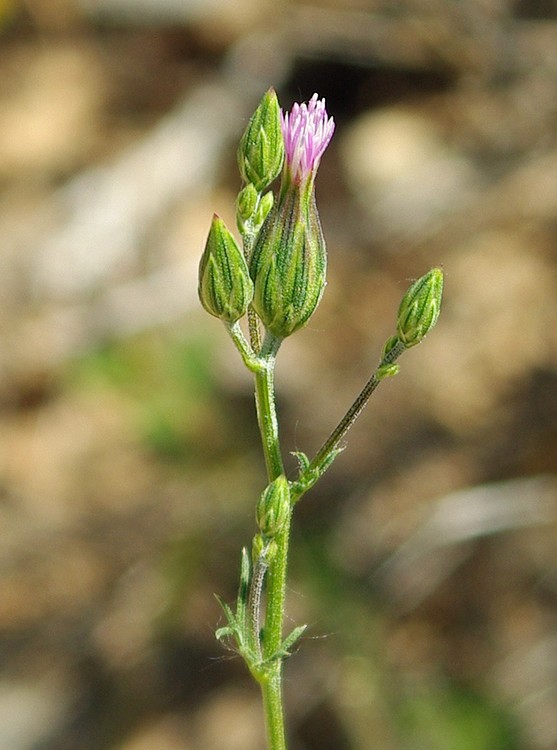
column 249, row 357
column 322, row 458
column 266, row 410
column 271, row 691
column 271, row 685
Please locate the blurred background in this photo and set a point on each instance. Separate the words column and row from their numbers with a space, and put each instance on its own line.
column 426, row 562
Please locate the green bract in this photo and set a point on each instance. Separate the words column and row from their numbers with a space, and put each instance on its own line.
column 420, row 307
column 265, row 205
column 225, row 288
column 261, row 150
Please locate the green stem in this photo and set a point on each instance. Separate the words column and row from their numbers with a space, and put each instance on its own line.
column 250, row 359
column 322, row 459
column 253, row 327
column 266, row 409
column 276, row 594
column 260, row 567
column 271, row 691
column 271, row 685
column 248, row 238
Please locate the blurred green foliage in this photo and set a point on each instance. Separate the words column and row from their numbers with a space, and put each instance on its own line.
column 444, row 716
column 426, row 711
column 166, row 383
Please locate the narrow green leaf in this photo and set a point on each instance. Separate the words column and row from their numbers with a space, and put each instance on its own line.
column 291, row 639
column 243, row 591
column 303, row 460
column 225, row 632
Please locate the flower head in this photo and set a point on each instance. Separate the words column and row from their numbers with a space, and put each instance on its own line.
column 289, row 259
column 307, row 131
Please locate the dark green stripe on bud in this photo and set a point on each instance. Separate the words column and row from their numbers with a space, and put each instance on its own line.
column 289, row 263
column 225, row 287
column 273, row 507
column 420, row 307
column 261, row 150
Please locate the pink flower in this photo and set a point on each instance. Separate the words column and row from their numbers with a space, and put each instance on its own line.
column 307, row 131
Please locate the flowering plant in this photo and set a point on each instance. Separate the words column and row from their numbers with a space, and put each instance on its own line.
column 277, row 280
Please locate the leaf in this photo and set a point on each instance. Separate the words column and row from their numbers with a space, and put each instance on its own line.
column 243, row 590
column 291, row 639
column 230, row 616
column 328, row 461
column 303, row 460
column 224, row 632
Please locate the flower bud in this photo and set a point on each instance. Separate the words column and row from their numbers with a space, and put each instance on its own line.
column 246, row 203
column 262, row 550
column 387, row 371
column 289, row 259
column 273, row 507
column 289, row 263
column 420, row 307
column 225, row 288
column 390, row 344
column 252, row 209
column 261, row 150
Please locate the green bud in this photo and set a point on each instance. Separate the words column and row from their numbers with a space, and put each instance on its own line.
column 225, row 288
column 273, row 507
column 390, row 344
column 420, row 307
column 246, row 203
column 289, row 262
column 262, row 549
column 257, row 547
column 261, row 150
column 387, row 371
column 252, row 208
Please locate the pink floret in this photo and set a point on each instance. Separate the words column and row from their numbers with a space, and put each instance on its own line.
column 307, row 131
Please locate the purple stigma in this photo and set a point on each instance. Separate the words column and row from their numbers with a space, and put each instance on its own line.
column 307, row 131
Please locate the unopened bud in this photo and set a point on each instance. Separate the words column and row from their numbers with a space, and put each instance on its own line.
column 262, row 550
column 387, row 371
column 225, row 288
column 420, row 307
column 252, row 209
column 390, row 344
column 273, row 507
column 288, row 265
column 261, row 150
column 246, row 203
